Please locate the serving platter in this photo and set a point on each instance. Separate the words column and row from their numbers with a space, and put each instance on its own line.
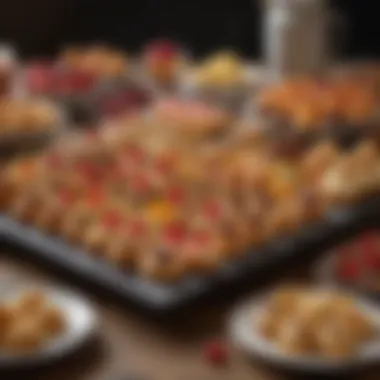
column 166, row 296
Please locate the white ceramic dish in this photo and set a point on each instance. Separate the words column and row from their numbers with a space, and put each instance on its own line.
column 81, row 325
column 249, row 339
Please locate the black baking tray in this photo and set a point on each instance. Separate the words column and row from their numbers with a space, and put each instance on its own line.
column 168, row 296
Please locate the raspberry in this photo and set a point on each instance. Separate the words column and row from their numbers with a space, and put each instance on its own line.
column 111, row 219
column 176, row 195
column 66, row 196
column 137, row 228
column 201, row 237
column 55, row 161
column 349, row 270
column 175, row 232
column 216, row 353
column 95, row 196
column 213, row 210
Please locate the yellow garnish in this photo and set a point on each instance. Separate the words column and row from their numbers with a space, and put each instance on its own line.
column 161, row 211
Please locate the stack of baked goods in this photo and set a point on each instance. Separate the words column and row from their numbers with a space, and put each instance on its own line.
column 316, row 323
column 319, row 106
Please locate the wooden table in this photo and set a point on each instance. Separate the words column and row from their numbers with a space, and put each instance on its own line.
column 131, row 344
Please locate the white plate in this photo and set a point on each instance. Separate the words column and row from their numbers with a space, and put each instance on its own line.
column 81, row 322
column 247, row 337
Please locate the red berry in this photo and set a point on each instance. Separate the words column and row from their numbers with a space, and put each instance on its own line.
column 135, row 155
column 216, row 353
column 66, row 196
column 175, row 232
column 201, row 237
column 162, row 50
column 92, row 135
column 369, row 242
column 137, row 228
column 176, row 195
column 41, row 77
column 55, row 161
column 165, row 164
column 90, row 171
column 141, row 184
column 349, row 270
column 111, row 219
column 213, row 210
column 95, row 196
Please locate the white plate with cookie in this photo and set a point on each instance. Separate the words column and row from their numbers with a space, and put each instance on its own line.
column 41, row 324
column 249, row 330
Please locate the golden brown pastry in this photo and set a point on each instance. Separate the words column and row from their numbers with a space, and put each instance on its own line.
column 321, row 323
column 29, row 322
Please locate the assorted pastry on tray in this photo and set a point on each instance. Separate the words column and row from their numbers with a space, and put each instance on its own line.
column 314, row 105
column 319, row 323
column 143, row 193
column 29, row 323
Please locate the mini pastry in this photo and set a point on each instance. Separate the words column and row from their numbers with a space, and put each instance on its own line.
column 203, row 250
column 223, row 70
column 29, row 322
column 100, row 61
column 164, row 61
column 191, row 118
column 317, row 323
column 161, row 263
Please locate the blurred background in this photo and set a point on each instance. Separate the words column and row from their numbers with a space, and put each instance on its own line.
column 42, row 26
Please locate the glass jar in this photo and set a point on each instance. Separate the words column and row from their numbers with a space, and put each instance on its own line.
column 8, row 70
column 295, row 40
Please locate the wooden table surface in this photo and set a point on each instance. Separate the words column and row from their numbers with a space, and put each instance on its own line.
column 132, row 345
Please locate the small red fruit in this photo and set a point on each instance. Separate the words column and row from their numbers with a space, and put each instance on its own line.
column 66, row 197
column 175, row 232
column 349, row 270
column 213, row 210
column 137, row 228
column 55, row 161
column 201, row 237
column 111, row 219
column 216, row 353
column 176, row 195
column 95, row 196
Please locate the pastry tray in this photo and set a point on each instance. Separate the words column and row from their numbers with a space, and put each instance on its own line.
column 163, row 297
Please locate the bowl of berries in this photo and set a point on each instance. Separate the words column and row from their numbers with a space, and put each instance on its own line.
column 124, row 101
column 75, row 90
column 354, row 264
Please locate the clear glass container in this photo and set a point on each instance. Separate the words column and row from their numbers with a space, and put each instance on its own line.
column 295, row 37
